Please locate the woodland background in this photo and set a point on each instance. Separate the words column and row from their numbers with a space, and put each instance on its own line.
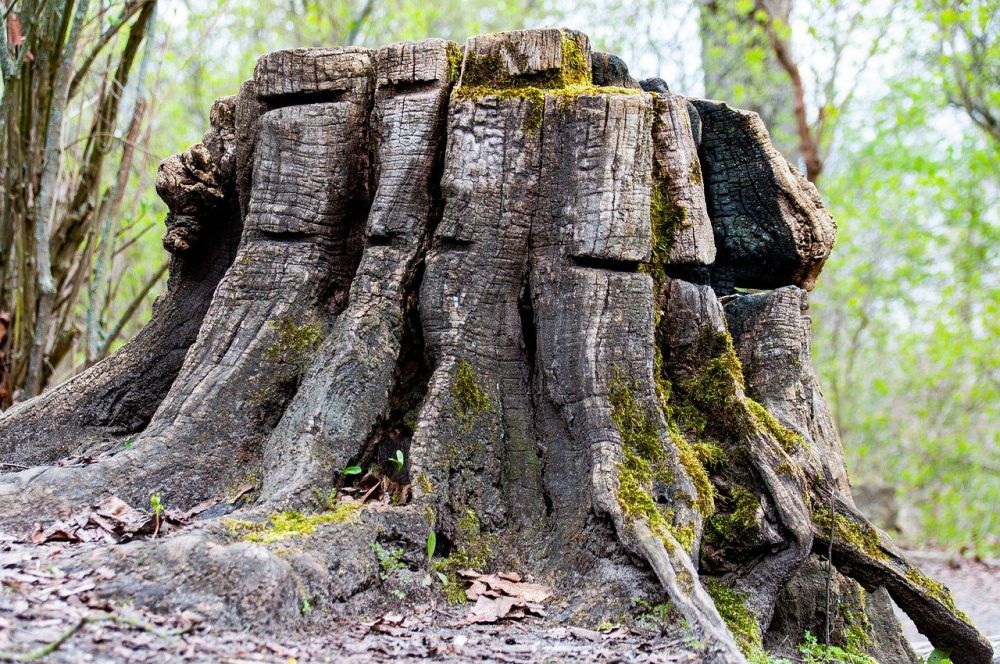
column 893, row 108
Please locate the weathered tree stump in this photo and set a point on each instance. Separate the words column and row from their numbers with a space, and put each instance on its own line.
column 514, row 265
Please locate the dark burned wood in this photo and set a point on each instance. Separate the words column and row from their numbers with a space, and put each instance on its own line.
column 771, row 228
column 462, row 253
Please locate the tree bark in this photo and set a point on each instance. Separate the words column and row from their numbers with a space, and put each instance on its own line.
column 479, row 263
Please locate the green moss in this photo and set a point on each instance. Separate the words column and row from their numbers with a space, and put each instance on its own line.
column 789, row 440
column 744, row 517
column 295, row 343
column 454, row 52
column 533, row 95
column 695, row 469
column 470, row 398
column 286, row 525
column 655, row 616
column 861, row 536
column 643, row 460
column 488, row 76
column 732, row 606
column 696, row 176
column 857, row 627
column 665, row 218
column 424, row 483
column 936, row 590
column 575, row 65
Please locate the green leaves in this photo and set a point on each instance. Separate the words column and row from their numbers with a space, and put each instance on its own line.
column 351, row 470
column 398, row 460
column 431, row 544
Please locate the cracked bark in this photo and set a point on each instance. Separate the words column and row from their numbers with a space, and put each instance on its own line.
column 481, row 276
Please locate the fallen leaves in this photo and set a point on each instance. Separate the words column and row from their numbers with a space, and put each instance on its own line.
column 111, row 521
column 502, row 597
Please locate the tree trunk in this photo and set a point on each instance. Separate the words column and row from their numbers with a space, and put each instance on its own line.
column 477, row 262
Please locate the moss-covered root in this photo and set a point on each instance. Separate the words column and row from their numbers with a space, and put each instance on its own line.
column 661, row 533
column 680, row 580
column 865, row 553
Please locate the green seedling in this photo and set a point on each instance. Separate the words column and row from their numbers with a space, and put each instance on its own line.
column 398, row 460
column 156, row 502
column 352, row 470
column 431, row 544
column 389, row 560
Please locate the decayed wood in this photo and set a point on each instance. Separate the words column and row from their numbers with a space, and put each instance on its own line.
column 477, row 256
column 681, row 207
column 294, row 265
column 692, row 329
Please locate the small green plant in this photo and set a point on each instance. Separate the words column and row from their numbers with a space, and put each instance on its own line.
column 307, row 606
column 938, row 657
column 129, row 443
column 351, row 470
column 389, row 560
column 815, row 652
column 398, row 460
column 431, row 544
column 156, row 502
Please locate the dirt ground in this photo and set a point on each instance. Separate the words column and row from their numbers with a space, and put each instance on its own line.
column 49, row 615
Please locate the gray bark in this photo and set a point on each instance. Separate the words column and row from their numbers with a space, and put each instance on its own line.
column 462, row 254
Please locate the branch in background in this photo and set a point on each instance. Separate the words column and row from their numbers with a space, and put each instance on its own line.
column 46, row 203
column 132, row 308
column 130, row 10
column 808, row 144
column 356, row 24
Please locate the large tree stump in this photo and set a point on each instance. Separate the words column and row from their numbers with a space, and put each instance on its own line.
column 525, row 283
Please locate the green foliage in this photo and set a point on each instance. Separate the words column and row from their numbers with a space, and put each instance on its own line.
column 351, row 470
column 939, row 657
column 156, row 503
column 397, row 460
column 389, row 560
column 431, row 544
column 821, row 653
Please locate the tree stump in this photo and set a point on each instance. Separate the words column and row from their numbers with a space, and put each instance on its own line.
column 527, row 275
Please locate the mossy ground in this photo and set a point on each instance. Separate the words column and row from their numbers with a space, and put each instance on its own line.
column 290, row 524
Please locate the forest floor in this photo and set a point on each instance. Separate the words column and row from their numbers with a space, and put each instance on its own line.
column 49, row 615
